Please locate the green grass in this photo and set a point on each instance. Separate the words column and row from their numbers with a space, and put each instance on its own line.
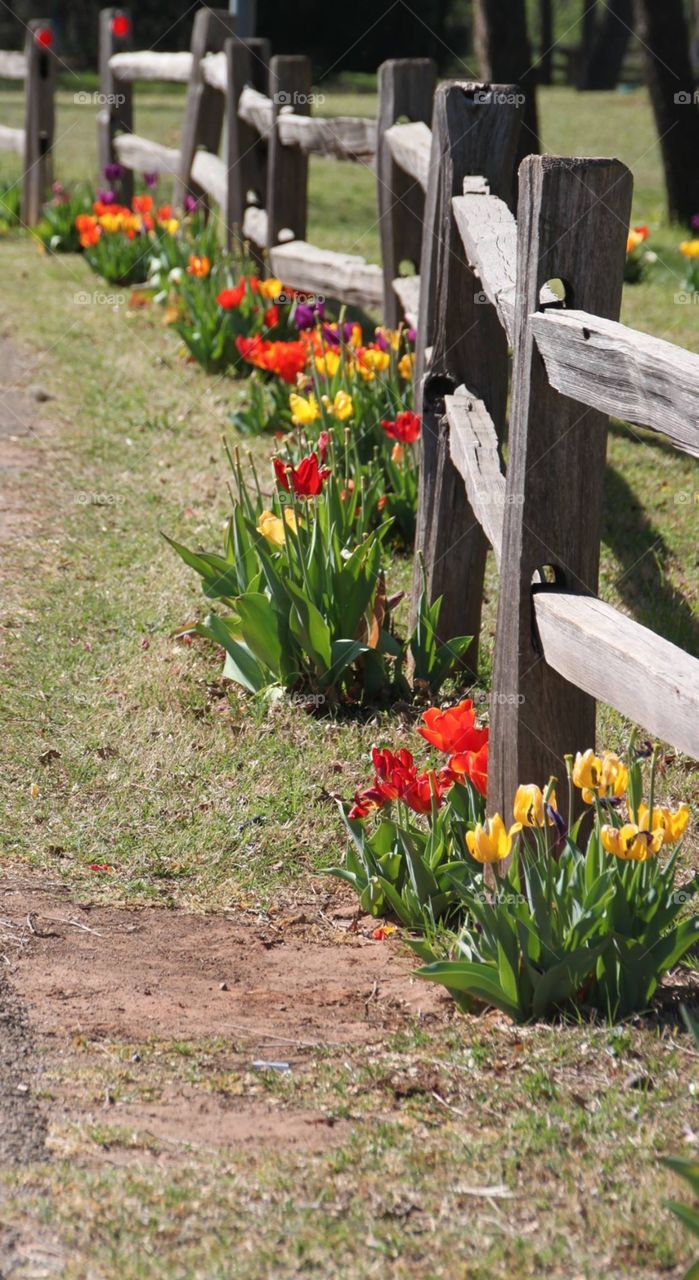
column 200, row 800
column 549, row 1118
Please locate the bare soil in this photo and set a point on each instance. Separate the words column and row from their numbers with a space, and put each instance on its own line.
column 272, row 987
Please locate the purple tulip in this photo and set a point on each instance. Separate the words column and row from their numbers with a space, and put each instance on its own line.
column 191, row 204
column 330, row 337
column 113, row 172
column 411, row 335
column 695, row 222
column 381, row 340
column 105, row 197
column 151, row 180
column 305, row 316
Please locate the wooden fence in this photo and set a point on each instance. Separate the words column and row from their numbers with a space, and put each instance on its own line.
column 34, row 143
column 548, row 285
column 260, row 182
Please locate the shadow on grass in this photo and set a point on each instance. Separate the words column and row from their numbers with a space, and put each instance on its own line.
column 644, row 555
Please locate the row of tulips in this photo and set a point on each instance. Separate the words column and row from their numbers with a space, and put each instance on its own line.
column 524, row 912
column 309, row 374
column 301, row 589
column 533, row 916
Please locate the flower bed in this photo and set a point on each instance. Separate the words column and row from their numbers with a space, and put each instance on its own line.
column 535, row 917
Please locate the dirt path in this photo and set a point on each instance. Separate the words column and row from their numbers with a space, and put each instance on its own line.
column 21, row 416
column 268, row 988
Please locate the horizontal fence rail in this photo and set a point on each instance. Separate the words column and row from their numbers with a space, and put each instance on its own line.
column 260, row 182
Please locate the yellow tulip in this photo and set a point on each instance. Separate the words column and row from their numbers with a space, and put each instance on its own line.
column 378, row 361
column 603, row 775
column 528, row 805
column 630, row 842
column 341, row 407
column 690, row 248
column 406, row 364
column 271, row 527
column 492, row 842
column 328, row 363
column 587, row 770
column 672, row 825
column 303, row 411
column 271, row 288
column 172, row 226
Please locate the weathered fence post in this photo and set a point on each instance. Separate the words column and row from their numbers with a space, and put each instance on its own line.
column 406, row 89
column 572, row 221
column 287, row 167
column 246, row 151
column 203, row 119
column 115, row 113
column 39, row 118
column 474, row 132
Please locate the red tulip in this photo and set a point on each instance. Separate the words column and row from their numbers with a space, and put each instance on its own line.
column 405, row 429
column 469, row 764
column 229, row 299
column 307, row 478
column 454, row 729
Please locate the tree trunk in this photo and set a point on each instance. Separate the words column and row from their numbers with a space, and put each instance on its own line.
column 663, row 31
column 602, row 66
column 588, row 28
column 504, row 57
column 545, row 68
column 695, row 39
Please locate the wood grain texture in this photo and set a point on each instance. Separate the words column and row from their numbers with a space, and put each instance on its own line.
column 474, row 450
column 39, row 122
column 145, row 156
column 489, row 235
column 147, row 64
column 13, row 66
column 406, row 90
column 246, row 151
column 620, row 371
column 622, row 663
column 330, row 275
column 339, row 137
column 571, row 213
column 256, row 109
column 410, row 146
column 287, row 174
column 472, row 134
column 407, row 290
column 11, row 140
column 205, row 106
column 115, row 114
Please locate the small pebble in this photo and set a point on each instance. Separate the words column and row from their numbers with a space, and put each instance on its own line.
column 38, row 393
